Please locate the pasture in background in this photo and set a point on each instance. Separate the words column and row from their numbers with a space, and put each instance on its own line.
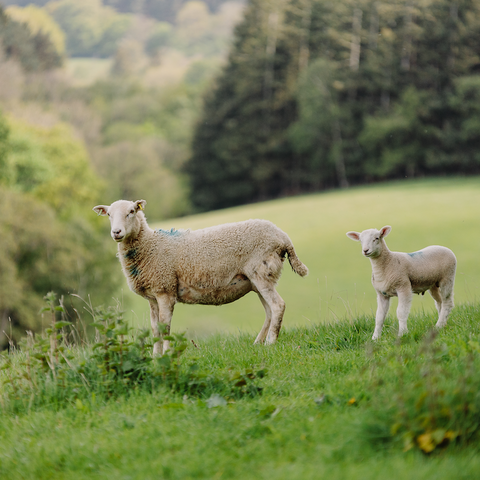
column 421, row 213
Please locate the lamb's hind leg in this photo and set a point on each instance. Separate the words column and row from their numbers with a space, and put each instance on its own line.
column 405, row 297
column 446, row 292
column 268, row 318
column 434, row 292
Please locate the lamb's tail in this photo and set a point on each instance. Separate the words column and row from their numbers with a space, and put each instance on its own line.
column 297, row 266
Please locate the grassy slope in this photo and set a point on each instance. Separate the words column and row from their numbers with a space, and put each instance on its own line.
column 162, row 436
column 421, row 213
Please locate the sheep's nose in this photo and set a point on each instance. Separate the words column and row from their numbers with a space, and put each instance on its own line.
column 365, row 251
column 116, row 232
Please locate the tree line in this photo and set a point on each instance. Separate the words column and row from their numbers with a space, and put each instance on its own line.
column 319, row 94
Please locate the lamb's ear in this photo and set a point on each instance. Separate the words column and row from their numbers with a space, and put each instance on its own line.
column 354, row 236
column 140, row 205
column 385, row 231
column 101, row 209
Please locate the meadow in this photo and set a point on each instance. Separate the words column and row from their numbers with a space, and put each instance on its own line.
column 422, row 212
column 324, row 401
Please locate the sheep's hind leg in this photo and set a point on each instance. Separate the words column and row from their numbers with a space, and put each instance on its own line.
column 268, row 318
column 275, row 302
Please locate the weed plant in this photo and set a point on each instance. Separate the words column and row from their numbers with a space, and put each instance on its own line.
column 50, row 369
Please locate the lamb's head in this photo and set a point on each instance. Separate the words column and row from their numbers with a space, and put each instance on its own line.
column 371, row 240
column 124, row 217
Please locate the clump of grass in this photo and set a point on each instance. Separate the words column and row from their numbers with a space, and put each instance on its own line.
column 51, row 369
column 428, row 398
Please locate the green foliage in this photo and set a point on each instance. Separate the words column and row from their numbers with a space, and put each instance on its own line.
column 51, row 164
column 34, row 51
column 91, row 29
column 38, row 20
column 48, row 368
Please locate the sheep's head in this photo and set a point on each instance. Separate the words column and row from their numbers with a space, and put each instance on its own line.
column 371, row 240
column 123, row 217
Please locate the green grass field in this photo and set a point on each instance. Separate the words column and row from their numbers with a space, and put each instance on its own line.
column 333, row 403
column 433, row 212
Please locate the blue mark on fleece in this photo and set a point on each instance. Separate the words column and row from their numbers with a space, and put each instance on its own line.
column 131, row 253
column 172, row 232
column 415, row 254
column 134, row 271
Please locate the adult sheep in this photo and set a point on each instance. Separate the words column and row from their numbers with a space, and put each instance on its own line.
column 403, row 274
column 211, row 266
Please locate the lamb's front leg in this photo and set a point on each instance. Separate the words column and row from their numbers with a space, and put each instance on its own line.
column 383, row 304
column 405, row 297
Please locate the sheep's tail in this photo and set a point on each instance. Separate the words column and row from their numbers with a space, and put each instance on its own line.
column 297, row 266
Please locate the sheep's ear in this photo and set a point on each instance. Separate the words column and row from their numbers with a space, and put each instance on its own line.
column 140, row 205
column 385, row 231
column 101, row 209
column 354, row 236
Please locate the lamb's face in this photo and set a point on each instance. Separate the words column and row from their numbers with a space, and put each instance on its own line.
column 123, row 217
column 371, row 240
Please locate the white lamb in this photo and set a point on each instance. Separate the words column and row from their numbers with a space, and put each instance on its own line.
column 403, row 274
column 211, row 266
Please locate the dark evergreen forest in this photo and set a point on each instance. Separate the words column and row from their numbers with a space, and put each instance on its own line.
column 320, row 94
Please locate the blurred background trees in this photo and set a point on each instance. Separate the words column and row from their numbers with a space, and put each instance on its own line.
column 197, row 105
column 321, row 94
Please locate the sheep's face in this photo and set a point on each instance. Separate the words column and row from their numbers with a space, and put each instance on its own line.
column 371, row 240
column 123, row 217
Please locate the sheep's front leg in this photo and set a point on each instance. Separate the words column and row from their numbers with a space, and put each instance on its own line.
column 161, row 311
column 383, row 304
column 405, row 297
